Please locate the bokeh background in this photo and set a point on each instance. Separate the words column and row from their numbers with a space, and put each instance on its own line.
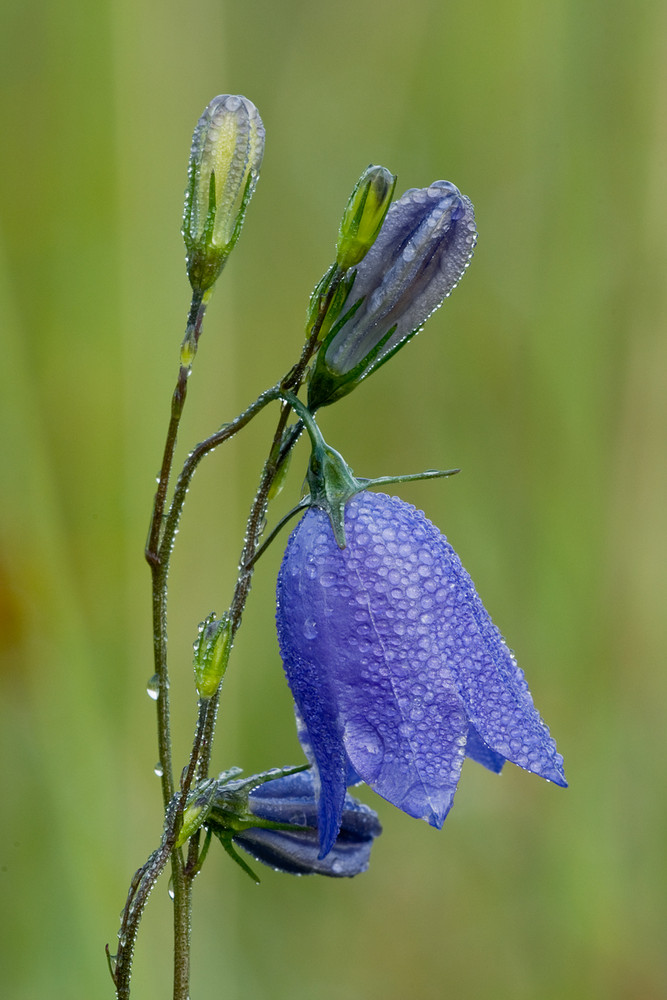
column 543, row 378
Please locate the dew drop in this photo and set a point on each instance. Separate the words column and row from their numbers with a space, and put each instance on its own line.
column 158, row 769
column 310, row 629
column 170, row 888
column 153, row 687
column 364, row 747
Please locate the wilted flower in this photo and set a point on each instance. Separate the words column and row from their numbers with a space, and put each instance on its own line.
column 285, row 835
column 226, row 154
column 396, row 668
column 425, row 244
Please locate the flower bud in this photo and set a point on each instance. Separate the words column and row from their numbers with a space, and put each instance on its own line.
column 364, row 215
column 212, row 650
column 425, row 245
column 273, row 816
column 196, row 811
column 227, row 150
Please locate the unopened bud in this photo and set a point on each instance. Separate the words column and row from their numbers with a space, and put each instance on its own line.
column 227, row 150
column 196, row 811
column 364, row 215
column 422, row 251
column 212, row 650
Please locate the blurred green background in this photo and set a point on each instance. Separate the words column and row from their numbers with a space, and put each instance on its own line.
column 543, row 378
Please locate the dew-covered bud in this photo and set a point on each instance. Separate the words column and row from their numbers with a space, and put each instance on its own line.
column 226, row 155
column 424, row 246
column 196, row 811
column 275, row 821
column 364, row 215
column 212, row 649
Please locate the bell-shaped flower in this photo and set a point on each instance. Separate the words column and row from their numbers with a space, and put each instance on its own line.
column 396, row 669
column 273, row 816
column 424, row 246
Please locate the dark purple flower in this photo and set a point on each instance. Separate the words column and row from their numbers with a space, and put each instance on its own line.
column 291, row 800
column 273, row 816
column 396, row 669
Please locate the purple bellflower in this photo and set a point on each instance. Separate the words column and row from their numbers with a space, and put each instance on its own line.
column 291, row 800
column 397, row 671
column 274, row 819
column 421, row 253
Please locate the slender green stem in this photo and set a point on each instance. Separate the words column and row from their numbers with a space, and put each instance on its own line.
column 146, row 877
column 279, row 451
column 160, row 569
column 303, row 505
column 194, row 458
column 182, row 889
column 160, row 542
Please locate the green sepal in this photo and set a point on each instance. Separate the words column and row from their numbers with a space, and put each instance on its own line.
column 225, row 838
column 325, row 386
column 331, row 481
column 229, row 805
column 318, row 301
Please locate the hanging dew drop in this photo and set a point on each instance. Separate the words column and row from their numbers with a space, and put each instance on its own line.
column 158, row 769
column 153, row 687
column 170, row 888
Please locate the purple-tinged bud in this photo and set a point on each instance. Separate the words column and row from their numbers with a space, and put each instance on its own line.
column 396, row 669
column 226, row 155
column 273, row 816
column 424, row 247
column 291, row 800
column 364, row 215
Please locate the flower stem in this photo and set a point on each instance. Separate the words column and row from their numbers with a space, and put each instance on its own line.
column 162, row 533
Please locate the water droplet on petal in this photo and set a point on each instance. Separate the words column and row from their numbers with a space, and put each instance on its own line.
column 310, row 628
column 364, row 747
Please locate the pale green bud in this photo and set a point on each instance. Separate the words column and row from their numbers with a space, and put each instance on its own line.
column 227, row 151
column 364, row 215
column 196, row 810
column 212, row 650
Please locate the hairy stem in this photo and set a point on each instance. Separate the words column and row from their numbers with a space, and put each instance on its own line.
column 162, row 533
column 281, row 447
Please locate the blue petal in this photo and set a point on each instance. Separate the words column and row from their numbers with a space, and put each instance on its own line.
column 311, row 688
column 478, row 751
column 351, row 776
column 298, row 853
column 497, row 700
column 360, row 649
